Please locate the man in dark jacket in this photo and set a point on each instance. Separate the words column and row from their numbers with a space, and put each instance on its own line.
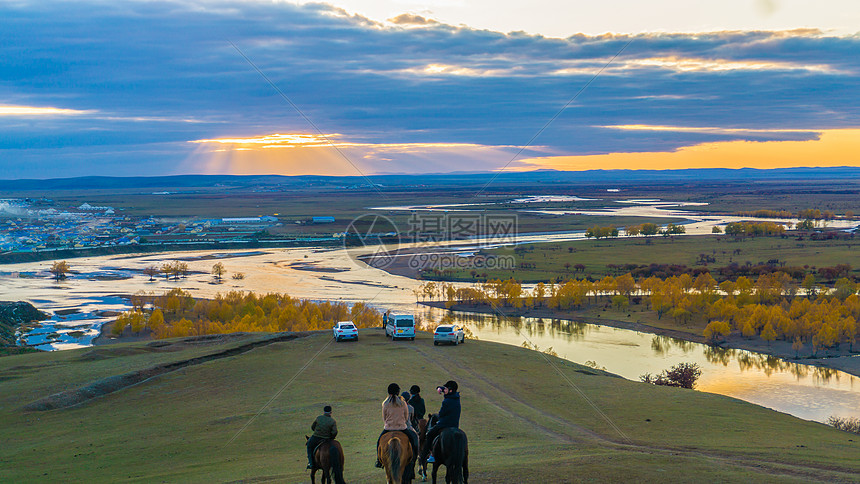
column 325, row 428
column 449, row 415
column 417, row 403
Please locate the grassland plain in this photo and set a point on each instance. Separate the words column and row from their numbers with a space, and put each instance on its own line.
column 525, row 423
column 836, row 190
column 547, row 261
column 344, row 206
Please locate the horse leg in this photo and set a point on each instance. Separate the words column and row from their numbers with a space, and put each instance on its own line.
column 466, row 469
column 435, row 470
column 314, row 475
column 326, row 477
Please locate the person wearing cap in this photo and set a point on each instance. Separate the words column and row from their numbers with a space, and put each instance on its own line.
column 417, row 404
column 395, row 414
column 325, row 428
column 449, row 415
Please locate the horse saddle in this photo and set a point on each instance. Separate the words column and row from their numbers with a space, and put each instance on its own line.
column 324, row 442
column 436, row 439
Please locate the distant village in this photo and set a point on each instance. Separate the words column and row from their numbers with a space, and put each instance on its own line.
column 34, row 225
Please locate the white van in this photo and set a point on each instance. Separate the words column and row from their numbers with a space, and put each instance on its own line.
column 399, row 326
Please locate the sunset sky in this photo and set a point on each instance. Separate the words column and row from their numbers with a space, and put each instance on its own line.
column 401, row 86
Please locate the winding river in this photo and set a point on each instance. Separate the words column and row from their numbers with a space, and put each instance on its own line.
column 81, row 304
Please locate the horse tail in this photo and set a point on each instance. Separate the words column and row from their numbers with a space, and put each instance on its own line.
column 336, row 463
column 456, row 453
column 394, row 451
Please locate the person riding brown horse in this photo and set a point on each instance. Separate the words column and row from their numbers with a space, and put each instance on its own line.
column 325, row 428
column 395, row 414
column 395, row 453
column 328, row 457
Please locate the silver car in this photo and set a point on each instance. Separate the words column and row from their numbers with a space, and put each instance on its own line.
column 449, row 333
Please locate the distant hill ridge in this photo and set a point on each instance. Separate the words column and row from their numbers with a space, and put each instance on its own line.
column 549, row 176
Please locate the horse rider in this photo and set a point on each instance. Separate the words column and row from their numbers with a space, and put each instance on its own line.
column 325, row 428
column 449, row 415
column 410, row 421
column 417, row 404
column 395, row 414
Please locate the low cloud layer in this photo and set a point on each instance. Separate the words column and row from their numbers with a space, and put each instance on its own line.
column 124, row 89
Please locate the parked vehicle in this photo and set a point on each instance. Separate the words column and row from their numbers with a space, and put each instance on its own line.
column 449, row 333
column 345, row 330
column 399, row 326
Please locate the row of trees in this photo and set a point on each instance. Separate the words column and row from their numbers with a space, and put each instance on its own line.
column 173, row 270
column 177, row 269
column 809, row 213
column 646, row 229
column 753, row 229
column 176, row 313
column 768, row 288
column 772, row 306
column 601, row 232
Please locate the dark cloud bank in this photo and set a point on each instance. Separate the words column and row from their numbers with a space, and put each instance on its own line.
column 155, row 75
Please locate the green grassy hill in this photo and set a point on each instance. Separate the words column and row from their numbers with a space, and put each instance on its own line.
column 525, row 422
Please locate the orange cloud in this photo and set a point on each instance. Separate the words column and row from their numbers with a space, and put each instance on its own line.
column 833, row 147
column 412, row 20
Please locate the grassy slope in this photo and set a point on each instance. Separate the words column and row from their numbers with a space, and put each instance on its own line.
column 524, row 422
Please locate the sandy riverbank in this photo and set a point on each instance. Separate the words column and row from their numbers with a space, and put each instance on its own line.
column 842, row 358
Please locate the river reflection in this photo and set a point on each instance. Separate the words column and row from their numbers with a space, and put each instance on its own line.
column 805, row 391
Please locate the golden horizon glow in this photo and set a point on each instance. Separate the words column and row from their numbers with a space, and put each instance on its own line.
column 330, row 140
column 833, row 147
column 330, row 154
column 704, row 129
column 14, row 110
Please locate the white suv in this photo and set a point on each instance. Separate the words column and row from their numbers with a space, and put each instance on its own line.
column 449, row 333
column 345, row 330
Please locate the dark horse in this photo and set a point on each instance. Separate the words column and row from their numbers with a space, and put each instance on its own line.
column 395, row 454
column 328, row 456
column 422, row 436
column 450, row 449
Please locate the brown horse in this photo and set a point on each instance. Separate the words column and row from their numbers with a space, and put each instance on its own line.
column 395, row 454
column 328, row 457
column 422, row 437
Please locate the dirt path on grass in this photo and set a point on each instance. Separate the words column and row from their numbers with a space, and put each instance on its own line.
column 111, row 384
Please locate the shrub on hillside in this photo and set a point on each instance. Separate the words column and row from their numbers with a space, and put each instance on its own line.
column 848, row 424
column 683, row 375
